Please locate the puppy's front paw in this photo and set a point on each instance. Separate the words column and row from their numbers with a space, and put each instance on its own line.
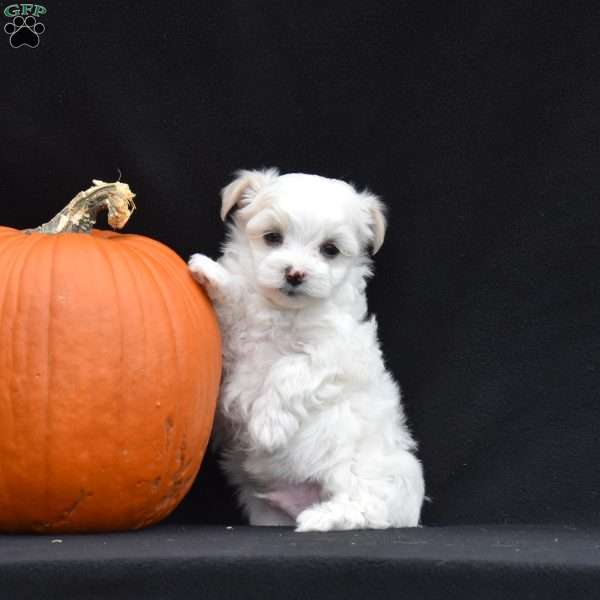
column 207, row 272
column 271, row 431
column 330, row 516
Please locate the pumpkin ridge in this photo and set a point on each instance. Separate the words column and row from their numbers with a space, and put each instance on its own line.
column 6, row 233
column 192, row 308
column 139, row 241
column 140, row 245
column 167, row 459
column 125, row 259
column 8, row 279
column 169, row 267
column 173, row 443
column 178, row 275
column 120, row 396
column 25, row 256
column 188, row 286
column 49, row 388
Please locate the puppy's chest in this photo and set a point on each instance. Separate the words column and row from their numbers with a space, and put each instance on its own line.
column 257, row 338
column 258, row 341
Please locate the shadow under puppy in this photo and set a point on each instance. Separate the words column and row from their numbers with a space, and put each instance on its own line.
column 310, row 423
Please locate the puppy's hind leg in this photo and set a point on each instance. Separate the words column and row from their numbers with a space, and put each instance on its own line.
column 261, row 513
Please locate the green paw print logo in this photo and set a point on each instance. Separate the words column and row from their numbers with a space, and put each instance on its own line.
column 24, row 28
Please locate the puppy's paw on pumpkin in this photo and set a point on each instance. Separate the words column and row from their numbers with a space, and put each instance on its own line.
column 207, row 272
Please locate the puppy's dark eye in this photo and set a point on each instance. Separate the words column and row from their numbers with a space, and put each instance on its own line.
column 329, row 249
column 273, row 238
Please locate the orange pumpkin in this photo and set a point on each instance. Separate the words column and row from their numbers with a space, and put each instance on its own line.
column 109, row 370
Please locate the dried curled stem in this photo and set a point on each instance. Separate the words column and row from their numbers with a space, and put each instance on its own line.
column 79, row 216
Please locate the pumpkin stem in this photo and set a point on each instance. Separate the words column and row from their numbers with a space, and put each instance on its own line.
column 79, row 216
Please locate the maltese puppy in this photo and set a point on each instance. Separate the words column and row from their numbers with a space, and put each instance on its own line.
column 310, row 423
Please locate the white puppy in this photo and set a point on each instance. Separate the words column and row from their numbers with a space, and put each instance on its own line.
column 310, row 422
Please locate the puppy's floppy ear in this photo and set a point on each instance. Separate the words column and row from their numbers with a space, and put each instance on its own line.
column 377, row 219
column 243, row 188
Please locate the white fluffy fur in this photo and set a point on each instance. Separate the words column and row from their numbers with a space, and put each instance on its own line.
column 310, row 422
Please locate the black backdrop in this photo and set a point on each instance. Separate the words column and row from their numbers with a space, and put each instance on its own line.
column 479, row 125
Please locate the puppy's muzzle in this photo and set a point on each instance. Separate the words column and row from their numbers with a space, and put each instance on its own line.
column 294, row 277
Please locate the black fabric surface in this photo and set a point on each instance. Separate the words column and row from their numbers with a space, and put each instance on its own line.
column 214, row 562
column 478, row 124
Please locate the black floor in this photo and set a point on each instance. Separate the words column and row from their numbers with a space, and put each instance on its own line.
column 206, row 562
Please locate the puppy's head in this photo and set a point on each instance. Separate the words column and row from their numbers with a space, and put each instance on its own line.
column 306, row 233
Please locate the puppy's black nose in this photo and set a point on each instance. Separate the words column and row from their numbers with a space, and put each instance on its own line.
column 294, row 277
